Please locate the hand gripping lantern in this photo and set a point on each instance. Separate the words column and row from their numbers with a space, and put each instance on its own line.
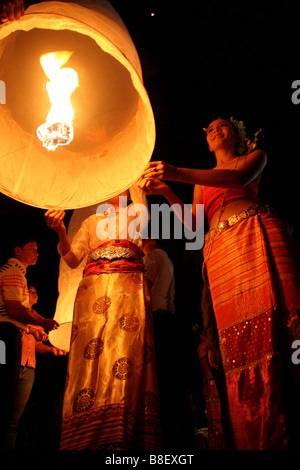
column 103, row 148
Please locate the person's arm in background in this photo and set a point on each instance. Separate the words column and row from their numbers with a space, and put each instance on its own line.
column 17, row 311
column 11, row 10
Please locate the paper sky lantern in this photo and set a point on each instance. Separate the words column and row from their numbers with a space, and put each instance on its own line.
column 50, row 160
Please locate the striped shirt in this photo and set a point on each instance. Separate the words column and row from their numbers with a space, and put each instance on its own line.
column 13, row 286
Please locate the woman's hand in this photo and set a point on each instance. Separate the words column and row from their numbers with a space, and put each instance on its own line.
column 55, row 220
column 11, row 10
column 153, row 186
column 159, row 170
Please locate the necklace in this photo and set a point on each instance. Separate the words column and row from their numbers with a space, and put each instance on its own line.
column 211, row 239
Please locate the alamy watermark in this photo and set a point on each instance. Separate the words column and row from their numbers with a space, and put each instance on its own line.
column 296, row 354
column 295, row 357
column 166, row 222
column 2, row 92
column 296, row 94
column 2, row 352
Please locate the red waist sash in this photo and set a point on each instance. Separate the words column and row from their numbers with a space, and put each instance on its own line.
column 115, row 256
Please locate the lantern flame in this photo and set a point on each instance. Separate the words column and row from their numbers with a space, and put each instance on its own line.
column 58, row 128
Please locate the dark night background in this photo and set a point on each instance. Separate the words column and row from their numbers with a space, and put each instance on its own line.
column 200, row 60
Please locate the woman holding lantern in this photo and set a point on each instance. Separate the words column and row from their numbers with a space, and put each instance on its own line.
column 252, row 267
column 111, row 399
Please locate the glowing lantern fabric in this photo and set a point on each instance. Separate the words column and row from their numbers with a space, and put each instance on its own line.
column 114, row 128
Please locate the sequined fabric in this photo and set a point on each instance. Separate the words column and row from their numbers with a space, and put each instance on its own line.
column 115, row 256
column 235, row 219
column 254, row 276
column 113, row 252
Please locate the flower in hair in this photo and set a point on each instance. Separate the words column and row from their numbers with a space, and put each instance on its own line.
column 241, row 132
column 245, row 145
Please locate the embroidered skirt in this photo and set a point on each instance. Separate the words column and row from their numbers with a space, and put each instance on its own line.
column 254, row 277
column 111, row 399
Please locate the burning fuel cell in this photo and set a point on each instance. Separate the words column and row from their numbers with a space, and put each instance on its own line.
column 58, row 128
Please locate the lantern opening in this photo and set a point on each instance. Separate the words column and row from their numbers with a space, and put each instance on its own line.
column 114, row 128
column 58, row 128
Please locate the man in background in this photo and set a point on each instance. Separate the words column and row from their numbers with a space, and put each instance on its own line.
column 160, row 276
column 15, row 317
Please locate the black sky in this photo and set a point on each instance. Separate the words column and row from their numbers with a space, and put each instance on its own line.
column 202, row 60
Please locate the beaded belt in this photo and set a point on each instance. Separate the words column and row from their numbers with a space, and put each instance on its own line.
column 236, row 218
column 113, row 252
column 115, row 256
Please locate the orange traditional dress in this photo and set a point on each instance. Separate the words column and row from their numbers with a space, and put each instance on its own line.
column 111, row 398
column 253, row 271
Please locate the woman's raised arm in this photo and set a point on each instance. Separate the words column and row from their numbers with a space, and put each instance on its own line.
column 248, row 168
column 55, row 220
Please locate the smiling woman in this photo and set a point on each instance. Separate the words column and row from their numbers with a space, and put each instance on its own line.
column 253, row 270
column 220, row 130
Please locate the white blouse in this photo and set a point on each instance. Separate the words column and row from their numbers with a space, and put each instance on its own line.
column 109, row 223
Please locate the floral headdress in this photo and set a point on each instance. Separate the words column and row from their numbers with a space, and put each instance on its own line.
column 245, row 145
